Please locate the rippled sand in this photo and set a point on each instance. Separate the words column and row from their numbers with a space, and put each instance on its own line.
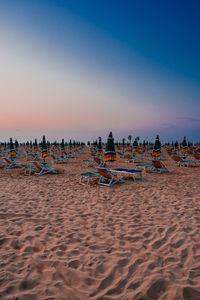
column 61, row 240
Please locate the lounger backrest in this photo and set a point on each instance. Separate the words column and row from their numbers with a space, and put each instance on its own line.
column 176, row 158
column 37, row 165
column 97, row 160
column 104, row 172
column 197, row 155
column 157, row 164
column 7, row 160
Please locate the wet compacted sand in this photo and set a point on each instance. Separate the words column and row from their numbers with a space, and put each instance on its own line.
column 62, row 240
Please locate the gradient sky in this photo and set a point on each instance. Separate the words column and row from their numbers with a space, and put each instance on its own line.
column 80, row 68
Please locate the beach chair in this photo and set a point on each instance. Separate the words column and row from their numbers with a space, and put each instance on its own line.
column 138, row 160
column 108, row 178
column 2, row 164
column 87, row 162
column 121, row 154
column 131, row 172
column 32, row 156
column 98, row 162
column 43, row 169
column 197, row 156
column 12, row 163
column 128, row 157
column 179, row 161
column 57, row 159
column 29, row 170
column 88, row 176
column 144, row 166
column 158, row 167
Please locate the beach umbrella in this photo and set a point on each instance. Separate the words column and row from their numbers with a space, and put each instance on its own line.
column 110, row 154
column 44, row 148
column 184, row 145
column 176, row 146
column 157, row 146
column 70, row 144
column 62, row 147
column 12, row 149
column 99, row 150
column 16, row 145
column 48, row 145
column 123, row 145
column 135, row 144
column 35, row 145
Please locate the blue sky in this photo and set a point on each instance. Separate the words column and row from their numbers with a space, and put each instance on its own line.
column 83, row 68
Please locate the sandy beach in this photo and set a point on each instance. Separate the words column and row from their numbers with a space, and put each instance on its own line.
column 62, row 240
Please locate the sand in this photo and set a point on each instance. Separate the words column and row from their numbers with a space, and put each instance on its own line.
column 62, row 240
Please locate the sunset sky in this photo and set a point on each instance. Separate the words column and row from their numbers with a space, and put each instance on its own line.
column 78, row 69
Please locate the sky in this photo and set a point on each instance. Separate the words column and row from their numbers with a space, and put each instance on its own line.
column 81, row 68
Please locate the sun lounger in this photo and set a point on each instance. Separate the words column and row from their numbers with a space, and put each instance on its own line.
column 98, row 162
column 128, row 157
column 197, row 156
column 108, row 177
column 87, row 176
column 131, row 172
column 179, row 161
column 158, row 167
column 57, row 159
column 2, row 164
column 87, row 162
column 28, row 170
column 43, row 169
column 12, row 163
column 144, row 166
